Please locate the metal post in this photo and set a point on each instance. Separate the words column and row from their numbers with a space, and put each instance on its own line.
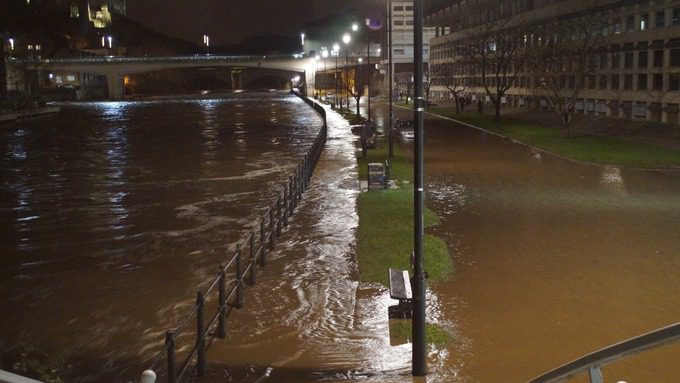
column 222, row 298
column 239, row 279
column 170, row 347
column 368, row 72
column 253, row 260
column 278, row 216
column 201, row 360
column 263, row 247
column 272, row 233
column 419, row 363
column 286, row 204
column 595, row 374
column 336, row 78
column 391, row 79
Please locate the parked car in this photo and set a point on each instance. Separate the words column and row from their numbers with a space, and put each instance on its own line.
column 408, row 134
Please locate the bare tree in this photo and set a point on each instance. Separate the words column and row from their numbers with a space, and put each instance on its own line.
column 456, row 90
column 563, row 56
column 493, row 49
column 430, row 79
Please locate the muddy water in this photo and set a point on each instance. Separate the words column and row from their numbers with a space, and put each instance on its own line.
column 554, row 259
column 113, row 214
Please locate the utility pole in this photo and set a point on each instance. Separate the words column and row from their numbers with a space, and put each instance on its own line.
column 368, row 66
column 391, row 80
column 419, row 362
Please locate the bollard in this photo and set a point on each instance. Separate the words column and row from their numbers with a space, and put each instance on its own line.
column 263, row 248
column 201, row 359
column 239, row 279
column 221, row 327
column 253, row 260
column 148, row 376
column 170, row 346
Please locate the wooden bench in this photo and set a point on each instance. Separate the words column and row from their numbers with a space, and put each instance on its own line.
column 400, row 289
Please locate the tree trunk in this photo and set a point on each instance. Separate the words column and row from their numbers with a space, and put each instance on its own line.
column 497, row 106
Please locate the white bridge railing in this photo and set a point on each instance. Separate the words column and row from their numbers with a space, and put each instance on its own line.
column 593, row 362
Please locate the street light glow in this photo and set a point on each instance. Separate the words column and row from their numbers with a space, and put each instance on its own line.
column 302, row 38
column 336, row 47
column 346, row 38
column 355, row 27
column 324, row 52
column 11, row 44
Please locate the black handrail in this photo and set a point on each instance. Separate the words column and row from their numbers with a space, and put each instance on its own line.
column 594, row 361
column 258, row 239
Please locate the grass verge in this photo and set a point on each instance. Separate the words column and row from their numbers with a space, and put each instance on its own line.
column 589, row 148
column 385, row 233
column 402, row 329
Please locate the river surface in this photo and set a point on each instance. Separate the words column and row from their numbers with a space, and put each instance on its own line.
column 114, row 214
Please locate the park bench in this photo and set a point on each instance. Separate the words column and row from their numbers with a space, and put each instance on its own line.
column 400, row 289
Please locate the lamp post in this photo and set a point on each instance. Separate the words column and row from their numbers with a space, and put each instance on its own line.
column 391, row 79
column 368, row 67
column 324, row 54
column 346, row 38
column 419, row 362
column 336, row 52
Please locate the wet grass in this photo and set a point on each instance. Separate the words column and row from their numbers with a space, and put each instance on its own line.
column 402, row 329
column 385, row 233
column 589, row 148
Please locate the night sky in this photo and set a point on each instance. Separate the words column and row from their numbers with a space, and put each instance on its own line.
column 230, row 21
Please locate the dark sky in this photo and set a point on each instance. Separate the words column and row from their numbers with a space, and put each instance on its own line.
column 230, row 21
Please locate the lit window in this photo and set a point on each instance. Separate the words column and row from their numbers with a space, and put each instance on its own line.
column 644, row 22
column 70, row 77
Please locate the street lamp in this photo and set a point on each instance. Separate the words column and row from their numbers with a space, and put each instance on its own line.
column 336, row 52
column 302, row 42
column 346, row 38
column 206, row 42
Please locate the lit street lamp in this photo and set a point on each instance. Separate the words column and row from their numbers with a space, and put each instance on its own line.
column 336, row 52
column 346, row 38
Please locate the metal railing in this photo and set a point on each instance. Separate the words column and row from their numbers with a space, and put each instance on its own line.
column 230, row 292
column 121, row 59
column 593, row 362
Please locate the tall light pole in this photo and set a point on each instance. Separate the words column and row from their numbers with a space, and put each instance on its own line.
column 368, row 66
column 336, row 52
column 391, row 79
column 324, row 54
column 346, row 38
column 419, row 363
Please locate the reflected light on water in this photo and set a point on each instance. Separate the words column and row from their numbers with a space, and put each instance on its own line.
column 612, row 179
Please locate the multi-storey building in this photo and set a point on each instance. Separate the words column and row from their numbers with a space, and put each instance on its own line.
column 400, row 13
column 635, row 66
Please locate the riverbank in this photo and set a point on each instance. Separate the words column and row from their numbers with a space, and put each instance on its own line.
column 15, row 116
column 597, row 140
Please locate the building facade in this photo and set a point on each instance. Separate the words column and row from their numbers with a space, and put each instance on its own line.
column 400, row 15
column 634, row 65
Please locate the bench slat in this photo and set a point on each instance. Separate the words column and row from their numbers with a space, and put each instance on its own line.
column 400, row 284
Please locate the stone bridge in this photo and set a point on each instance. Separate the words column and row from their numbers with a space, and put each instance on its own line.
column 115, row 68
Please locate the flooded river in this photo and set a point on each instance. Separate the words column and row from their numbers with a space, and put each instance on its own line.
column 113, row 214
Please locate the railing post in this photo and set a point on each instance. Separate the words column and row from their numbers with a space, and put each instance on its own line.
column 201, row 360
column 239, row 279
column 278, row 216
column 272, row 234
column 263, row 243
column 172, row 365
column 595, row 374
column 285, row 206
column 253, row 260
column 221, row 327
column 291, row 195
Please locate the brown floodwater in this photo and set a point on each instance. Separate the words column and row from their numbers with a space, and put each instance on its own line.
column 554, row 259
column 113, row 215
